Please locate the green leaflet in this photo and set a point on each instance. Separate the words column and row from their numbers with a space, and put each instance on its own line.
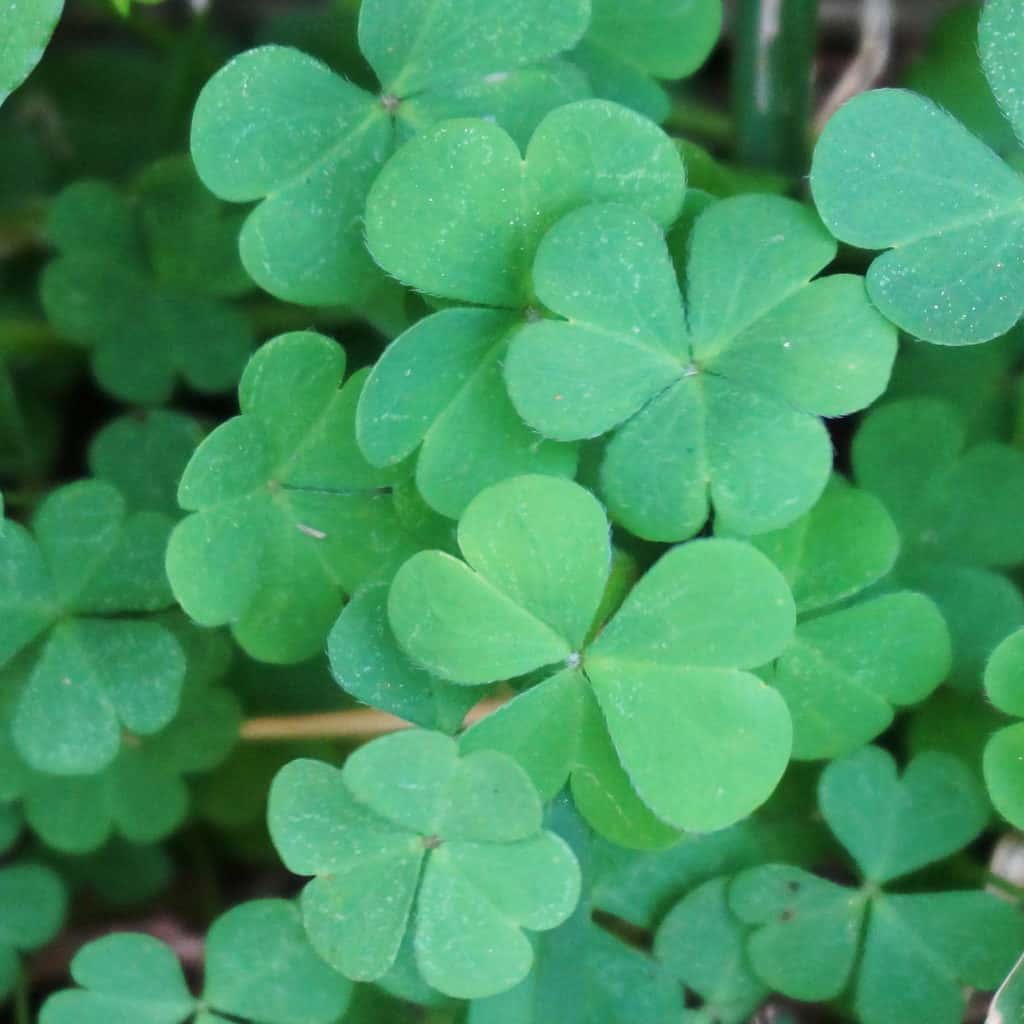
column 719, row 401
column 628, row 47
column 439, row 386
column 851, row 662
column 902, row 958
column 144, row 455
column 28, row 25
column 82, row 673
column 287, row 515
column 459, row 837
column 436, row 60
column 945, row 206
column 259, row 965
column 141, row 793
column 523, row 600
column 956, row 509
column 703, row 944
column 949, row 73
column 1004, row 687
column 33, row 905
column 368, row 663
column 128, row 284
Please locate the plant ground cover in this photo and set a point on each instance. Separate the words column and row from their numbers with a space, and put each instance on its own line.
column 511, row 512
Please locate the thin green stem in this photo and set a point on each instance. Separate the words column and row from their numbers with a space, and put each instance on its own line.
column 22, row 998
column 774, row 44
column 698, row 122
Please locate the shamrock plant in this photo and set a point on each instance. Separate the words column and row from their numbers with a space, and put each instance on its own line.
column 512, row 648
column 718, row 400
column 852, row 660
column 440, row 383
column 258, row 967
column 954, row 507
column 409, row 822
column 79, row 670
column 899, row 957
column 658, row 696
column 433, row 61
column 142, row 284
column 299, row 519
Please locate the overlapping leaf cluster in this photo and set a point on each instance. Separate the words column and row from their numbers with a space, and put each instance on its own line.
column 594, row 489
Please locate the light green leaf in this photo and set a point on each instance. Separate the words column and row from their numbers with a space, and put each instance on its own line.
column 476, row 243
column 420, row 45
column 368, row 663
column 807, row 930
column 847, row 671
column 746, row 433
column 844, row 544
column 33, row 905
column 288, row 515
column 93, row 679
column 702, row 943
column 259, row 965
column 893, row 826
column 1001, row 54
column 439, row 387
column 945, row 206
column 28, row 25
column 410, row 819
column 124, row 979
column 917, row 962
column 627, row 46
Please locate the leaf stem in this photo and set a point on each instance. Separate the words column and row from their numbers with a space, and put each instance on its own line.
column 27, row 336
column 358, row 724
column 22, row 1001
column 774, row 42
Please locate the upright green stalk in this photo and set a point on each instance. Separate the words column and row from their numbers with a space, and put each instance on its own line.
column 774, row 42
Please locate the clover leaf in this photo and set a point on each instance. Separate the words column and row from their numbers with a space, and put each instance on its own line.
column 480, row 210
column 902, row 957
column 662, row 681
column 718, row 400
column 259, row 967
column 144, row 455
column 287, row 516
column 956, row 508
column 33, row 904
column 82, row 671
column 141, row 794
column 944, row 205
column 852, row 660
column 409, row 819
column 1004, row 686
column 28, row 25
column 949, row 73
column 582, row 974
column 367, row 662
column 627, row 48
column 704, row 945
column 127, row 284
column 437, row 60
